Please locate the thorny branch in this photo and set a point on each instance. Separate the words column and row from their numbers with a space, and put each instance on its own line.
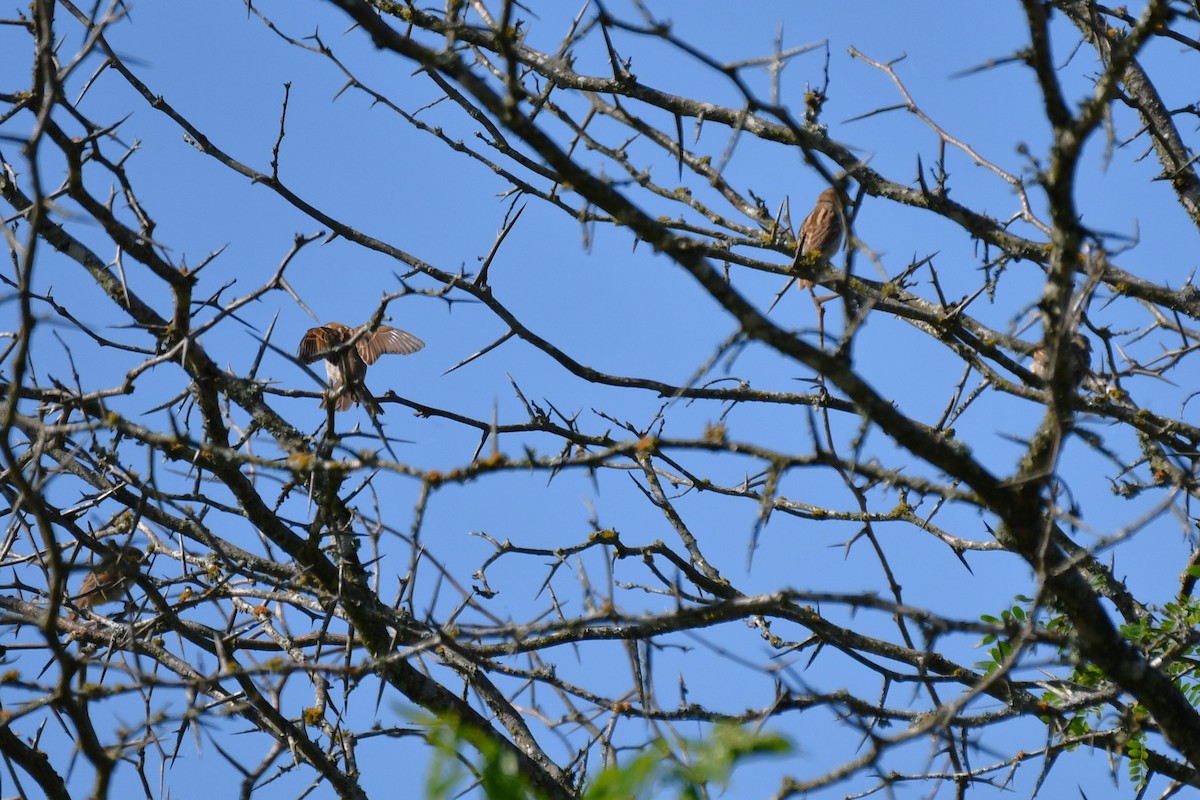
column 266, row 551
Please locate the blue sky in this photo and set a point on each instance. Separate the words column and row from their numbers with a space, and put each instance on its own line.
column 624, row 310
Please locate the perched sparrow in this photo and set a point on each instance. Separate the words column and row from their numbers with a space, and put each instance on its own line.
column 1079, row 360
column 109, row 579
column 821, row 231
column 346, row 369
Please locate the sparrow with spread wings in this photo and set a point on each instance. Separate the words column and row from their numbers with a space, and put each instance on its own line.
column 346, row 364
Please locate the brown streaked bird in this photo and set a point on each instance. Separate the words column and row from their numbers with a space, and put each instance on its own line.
column 347, row 368
column 1079, row 361
column 821, row 231
column 109, row 579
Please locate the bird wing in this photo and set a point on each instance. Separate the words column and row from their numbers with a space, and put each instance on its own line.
column 317, row 343
column 388, row 340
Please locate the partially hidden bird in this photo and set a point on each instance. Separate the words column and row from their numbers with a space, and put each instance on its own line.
column 109, row 579
column 346, row 365
column 821, row 231
column 1079, row 360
